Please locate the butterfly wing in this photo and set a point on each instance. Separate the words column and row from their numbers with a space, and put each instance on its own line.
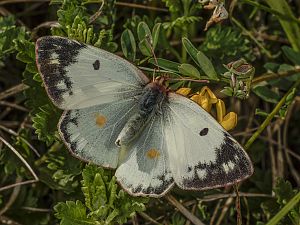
column 90, row 133
column 202, row 154
column 146, row 170
column 77, row 75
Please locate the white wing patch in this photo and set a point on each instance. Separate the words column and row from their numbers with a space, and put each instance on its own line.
column 90, row 133
column 146, row 171
column 78, row 75
column 202, row 154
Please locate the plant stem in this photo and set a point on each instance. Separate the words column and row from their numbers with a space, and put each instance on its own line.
column 186, row 12
column 291, row 28
column 183, row 210
column 285, row 210
column 271, row 76
column 270, row 10
column 270, row 117
column 248, row 33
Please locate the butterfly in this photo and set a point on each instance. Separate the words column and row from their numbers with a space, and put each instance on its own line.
column 115, row 117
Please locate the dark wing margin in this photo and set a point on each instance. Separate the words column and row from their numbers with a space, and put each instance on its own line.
column 53, row 56
column 202, row 154
column 232, row 165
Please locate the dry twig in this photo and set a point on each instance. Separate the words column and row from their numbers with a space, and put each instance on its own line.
column 183, row 210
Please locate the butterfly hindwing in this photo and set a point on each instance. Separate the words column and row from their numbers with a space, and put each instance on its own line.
column 90, row 133
column 146, row 170
column 77, row 75
column 202, row 154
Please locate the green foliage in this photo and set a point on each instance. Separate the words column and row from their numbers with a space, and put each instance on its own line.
column 283, row 193
column 291, row 28
column 226, row 43
column 167, row 35
column 104, row 202
column 58, row 169
column 147, row 40
column 8, row 32
column 75, row 23
column 270, row 91
column 128, row 45
column 291, row 54
column 73, row 213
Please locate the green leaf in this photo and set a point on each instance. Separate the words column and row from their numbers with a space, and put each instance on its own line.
column 45, row 122
column 145, row 47
column 145, row 37
column 291, row 28
column 292, row 55
column 189, row 70
column 283, row 191
column 58, row 169
column 8, row 33
column 155, row 34
column 226, row 43
column 261, row 112
column 144, row 32
column 266, row 94
column 191, row 50
column 26, row 52
column 285, row 210
column 272, row 66
column 206, row 66
column 166, row 64
column 128, row 45
column 74, row 21
column 227, row 91
column 72, row 213
column 94, row 190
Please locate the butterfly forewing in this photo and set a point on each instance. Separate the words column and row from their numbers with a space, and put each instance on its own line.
column 145, row 170
column 77, row 75
column 202, row 154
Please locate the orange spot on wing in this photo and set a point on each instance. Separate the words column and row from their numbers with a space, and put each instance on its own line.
column 100, row 120
column 152, row 153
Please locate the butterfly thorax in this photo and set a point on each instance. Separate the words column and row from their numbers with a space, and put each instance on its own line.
column 148, row 105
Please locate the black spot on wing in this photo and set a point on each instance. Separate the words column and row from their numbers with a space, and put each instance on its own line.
column 53, row 69
column 96, row 65
column 214, row 173
column 203, row 132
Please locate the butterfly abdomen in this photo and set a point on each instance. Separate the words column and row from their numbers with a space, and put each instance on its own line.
column 147, row 106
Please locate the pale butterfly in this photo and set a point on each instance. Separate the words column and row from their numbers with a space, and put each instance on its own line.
column 117, row 118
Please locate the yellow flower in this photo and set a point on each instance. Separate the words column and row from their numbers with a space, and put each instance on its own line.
column 183, row 91
column 229, row 120
column 206, row 98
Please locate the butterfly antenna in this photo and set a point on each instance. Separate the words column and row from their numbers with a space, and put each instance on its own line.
column 150, row 42
column 97, row 14
column 188, row 79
